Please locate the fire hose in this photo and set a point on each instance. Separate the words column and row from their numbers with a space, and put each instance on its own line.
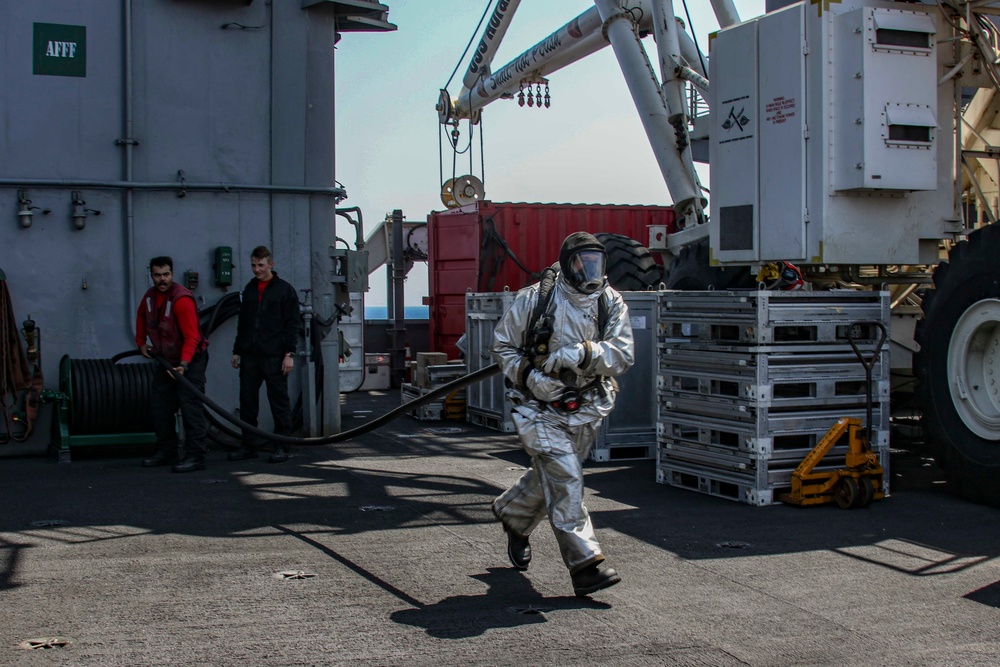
column 405, row 408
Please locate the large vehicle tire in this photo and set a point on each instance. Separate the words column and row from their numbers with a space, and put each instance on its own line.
column 958, row 366
column 690, row 270
column 631, row 267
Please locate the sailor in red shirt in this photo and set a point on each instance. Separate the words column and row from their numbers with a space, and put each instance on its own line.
column 168, row 320
column 267, row 334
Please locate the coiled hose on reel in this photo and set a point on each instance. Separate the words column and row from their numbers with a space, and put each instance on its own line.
column 107, row 397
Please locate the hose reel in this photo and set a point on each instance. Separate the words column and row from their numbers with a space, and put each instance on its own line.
column 101, row 402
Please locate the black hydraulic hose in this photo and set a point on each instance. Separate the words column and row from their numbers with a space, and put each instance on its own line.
column 125, row 355
column 405, row 408
column 215, row 312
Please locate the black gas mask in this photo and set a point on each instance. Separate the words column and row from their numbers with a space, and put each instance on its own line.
column 583, row 262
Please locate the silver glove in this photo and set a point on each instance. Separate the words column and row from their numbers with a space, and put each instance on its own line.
column 569, row 356
column 543, row 387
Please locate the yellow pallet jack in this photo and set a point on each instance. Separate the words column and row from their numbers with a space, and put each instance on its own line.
column 862, row 480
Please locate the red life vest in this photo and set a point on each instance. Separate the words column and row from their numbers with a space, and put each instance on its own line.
column 161, row 324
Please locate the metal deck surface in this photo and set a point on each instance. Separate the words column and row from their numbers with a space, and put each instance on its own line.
column 391, row 556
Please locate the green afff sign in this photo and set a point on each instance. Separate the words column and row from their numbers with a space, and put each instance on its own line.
column 60, row 50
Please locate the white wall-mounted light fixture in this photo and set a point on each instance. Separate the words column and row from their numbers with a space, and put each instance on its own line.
column 80, row 211
column 25, row 209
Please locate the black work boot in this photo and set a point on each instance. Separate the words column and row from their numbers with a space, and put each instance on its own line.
column 518, row 549
column 591, row 579
column 280, row 454
column 190, row 463
column 242, row 454
column 160, row 458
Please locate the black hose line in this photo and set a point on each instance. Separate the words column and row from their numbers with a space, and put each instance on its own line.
column 215, row 312
column 110, row 398
column 405, row 408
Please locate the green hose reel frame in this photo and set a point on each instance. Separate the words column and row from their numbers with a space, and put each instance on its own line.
column 62, row 423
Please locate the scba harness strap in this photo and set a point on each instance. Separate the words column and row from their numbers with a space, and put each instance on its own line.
column 539, row 330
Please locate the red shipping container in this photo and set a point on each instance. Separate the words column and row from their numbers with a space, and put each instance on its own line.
column 491, row 246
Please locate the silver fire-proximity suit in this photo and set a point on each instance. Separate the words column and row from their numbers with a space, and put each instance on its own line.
column 557, row 440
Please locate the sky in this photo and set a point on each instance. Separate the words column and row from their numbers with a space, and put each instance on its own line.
column 588, row 147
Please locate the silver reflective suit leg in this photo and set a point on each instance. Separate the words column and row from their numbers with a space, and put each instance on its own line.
column 554, row 487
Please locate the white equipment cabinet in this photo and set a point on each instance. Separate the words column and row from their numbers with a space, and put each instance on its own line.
column 825, row 137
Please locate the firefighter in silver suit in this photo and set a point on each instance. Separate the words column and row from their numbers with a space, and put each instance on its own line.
column 560, row 373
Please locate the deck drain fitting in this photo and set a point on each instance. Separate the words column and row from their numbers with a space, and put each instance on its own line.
column 289, row 575
column 733, row 545
column 531, row 610
column 376, row 508
column 44, row 643
column 516, row 468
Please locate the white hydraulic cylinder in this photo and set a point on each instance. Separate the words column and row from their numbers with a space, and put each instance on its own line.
column 693, row 58
column 725, row 13
column 482, row 59
column 666, row 29
column 646, row 94
column 668, row 48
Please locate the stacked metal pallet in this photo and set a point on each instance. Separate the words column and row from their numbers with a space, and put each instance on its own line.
column 749, row 382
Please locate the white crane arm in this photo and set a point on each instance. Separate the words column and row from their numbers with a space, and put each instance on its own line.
column 662, row 108
column 572, row 42
column 482, row 58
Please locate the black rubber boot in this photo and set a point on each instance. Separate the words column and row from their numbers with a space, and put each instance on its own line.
column 518, row 549
column 280, row 455
column 190, row 464
column 160, row 458
column 591, row 579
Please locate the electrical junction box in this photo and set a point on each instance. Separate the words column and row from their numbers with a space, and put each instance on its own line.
column 223, row 266
column 826, row 145
column 376, row 373
column 886, row 90
column 350, row 269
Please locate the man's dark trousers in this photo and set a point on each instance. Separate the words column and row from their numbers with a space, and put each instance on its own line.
column 168, row 395
column 254, row 370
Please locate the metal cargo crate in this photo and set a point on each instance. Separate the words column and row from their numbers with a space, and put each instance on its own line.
column 766, row 317
column 486, row 401
column 753, row 487
column 768, row 437
column 629, row 432
column 448, row 407
column 625, row 447
column 807, row 415
column 733, row 459
column 782, row 379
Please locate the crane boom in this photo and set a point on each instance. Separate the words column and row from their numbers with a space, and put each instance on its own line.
column 663, row 109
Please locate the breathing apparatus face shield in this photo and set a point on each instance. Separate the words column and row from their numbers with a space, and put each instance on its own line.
column 586, row 269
